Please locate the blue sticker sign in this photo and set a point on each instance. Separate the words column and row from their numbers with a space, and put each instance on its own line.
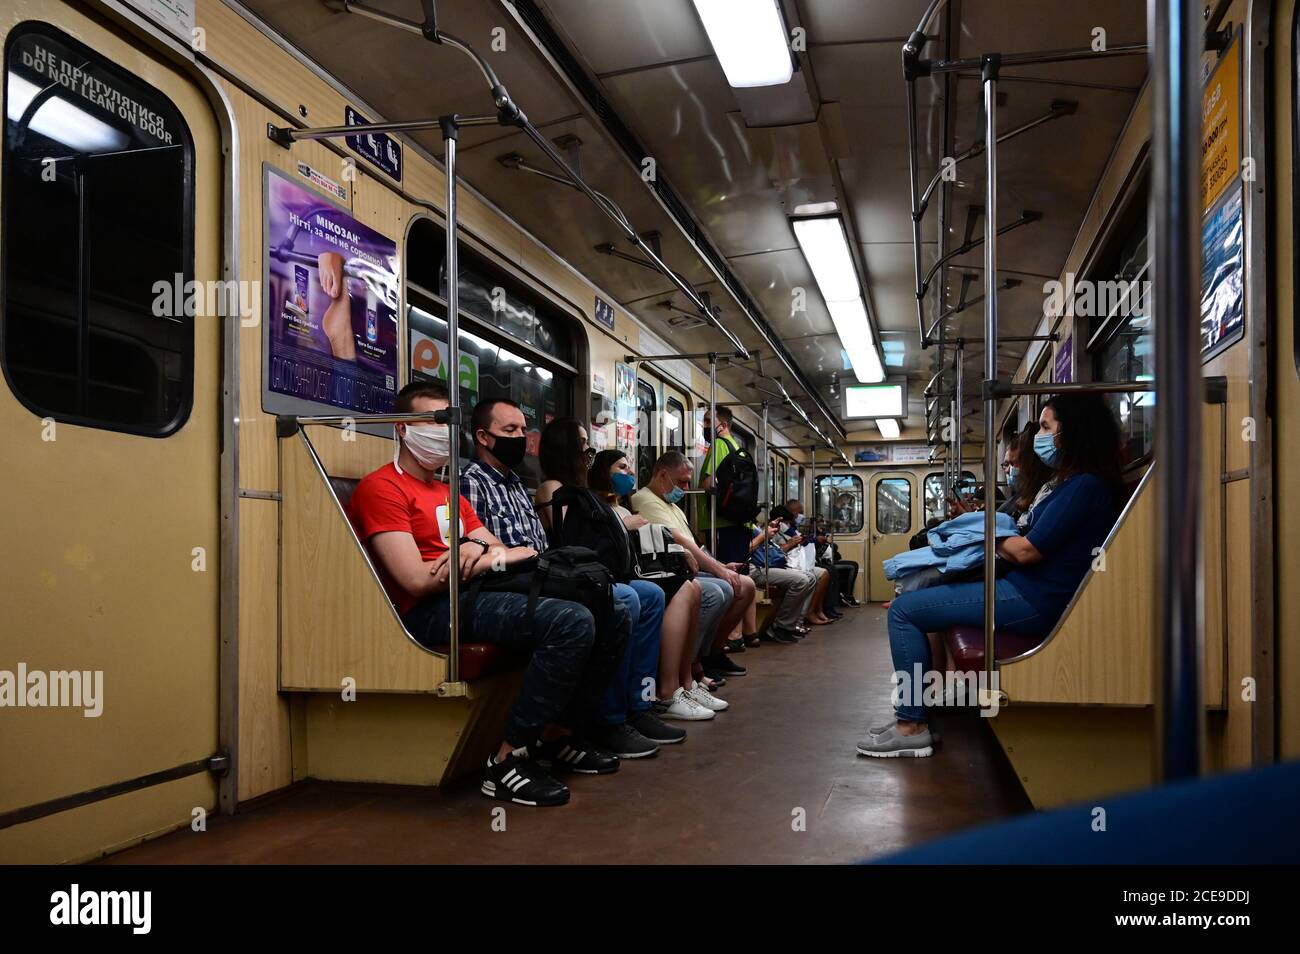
column 379, row 149
column 605, row 313
column 1065, row 361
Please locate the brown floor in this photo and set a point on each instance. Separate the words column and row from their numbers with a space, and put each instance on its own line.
column 730, row 794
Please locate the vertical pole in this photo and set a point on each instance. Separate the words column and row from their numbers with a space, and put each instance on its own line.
column 1174, row 27
column 710, row 460
column 959, row 421
column 916, row 198
column 990, row 79
column 812, row 481
column 766, row 489
column 449, row 134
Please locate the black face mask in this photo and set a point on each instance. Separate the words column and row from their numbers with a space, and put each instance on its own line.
column 708, row 434
column 509, row 450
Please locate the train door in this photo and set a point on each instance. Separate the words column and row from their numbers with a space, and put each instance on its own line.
column 110, row 407
column 647, row 429
column 841, row 509
column 890, row 510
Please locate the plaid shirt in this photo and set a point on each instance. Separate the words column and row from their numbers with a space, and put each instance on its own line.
column 502, row 503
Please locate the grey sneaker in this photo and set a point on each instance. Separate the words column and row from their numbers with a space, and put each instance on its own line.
column 882, row 729
column 893, row 745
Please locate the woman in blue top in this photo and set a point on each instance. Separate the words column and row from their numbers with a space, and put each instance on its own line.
column 1079, row 439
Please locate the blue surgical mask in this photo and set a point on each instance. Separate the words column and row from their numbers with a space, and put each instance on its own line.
column 1046, row 449
column 623, row 483
column 1013, row 473
column 799, row 520
column 675, row 495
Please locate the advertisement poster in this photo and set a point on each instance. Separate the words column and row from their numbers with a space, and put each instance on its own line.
column 1222, row 291
column 331, row 302
column 1221, row 127
column 1065, row 361
column 429, row 363
column 625, row 407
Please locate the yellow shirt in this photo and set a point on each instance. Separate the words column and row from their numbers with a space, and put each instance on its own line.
column 654, row 508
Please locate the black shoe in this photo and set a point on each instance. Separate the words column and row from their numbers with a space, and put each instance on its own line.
column 734, row 646
column 721, row 663
column 831, row 614
column 517, row 778
column 572, row 753
column 851, row 600
column 753, row 641
column 651, row 727
column 625, row 741
column 778, row 635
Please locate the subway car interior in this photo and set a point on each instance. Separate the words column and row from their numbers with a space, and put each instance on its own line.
column 831, row 472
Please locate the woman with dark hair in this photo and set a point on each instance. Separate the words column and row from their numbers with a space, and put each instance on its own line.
column 611, row 478
column 564, row 456
column 1079, row 441
column 1030, row 479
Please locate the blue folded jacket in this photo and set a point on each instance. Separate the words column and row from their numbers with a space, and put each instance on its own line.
column 955, row 545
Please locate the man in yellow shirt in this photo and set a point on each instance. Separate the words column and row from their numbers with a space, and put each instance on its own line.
column 733, row 539
column 657, row 502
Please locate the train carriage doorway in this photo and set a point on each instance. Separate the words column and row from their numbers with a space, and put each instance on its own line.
column 110, row 405
column 890, row 506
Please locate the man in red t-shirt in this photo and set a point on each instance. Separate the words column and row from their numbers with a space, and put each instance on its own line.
column 400, row 513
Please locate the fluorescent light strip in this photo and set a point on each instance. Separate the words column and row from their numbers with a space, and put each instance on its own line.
column 888, row 428
column 61, row 121
column 826, row 248
column 750, row 40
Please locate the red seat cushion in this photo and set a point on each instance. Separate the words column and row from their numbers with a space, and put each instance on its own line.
column 480, row 660
column 966, row 646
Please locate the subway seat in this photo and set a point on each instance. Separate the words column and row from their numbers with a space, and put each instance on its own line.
column 965, row 646
column 477, row 660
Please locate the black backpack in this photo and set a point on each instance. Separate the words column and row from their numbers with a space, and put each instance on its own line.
column 736, row 486
column 581, row 519
column 563, row 573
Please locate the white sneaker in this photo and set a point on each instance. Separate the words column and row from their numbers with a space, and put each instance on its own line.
column 683, row 707
column 706, row 698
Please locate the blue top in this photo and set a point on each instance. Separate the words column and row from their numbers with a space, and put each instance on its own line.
column 1065, row 528
column 767, row 554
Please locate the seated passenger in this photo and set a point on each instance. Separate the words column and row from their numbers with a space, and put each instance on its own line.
column 728, row 594
column 498, row 496
column 564, row 457
column 680, row 695
column 1028, row 477
column 790, row 540
column 769, row 567
column 1079, row 440
column 400, row 514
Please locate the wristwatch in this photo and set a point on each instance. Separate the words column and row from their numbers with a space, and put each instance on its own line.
column 485, row 546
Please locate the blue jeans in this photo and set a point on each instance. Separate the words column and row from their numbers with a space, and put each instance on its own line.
column 569, row 664
column 626, row 693
column 716, row 597
column 914, row 614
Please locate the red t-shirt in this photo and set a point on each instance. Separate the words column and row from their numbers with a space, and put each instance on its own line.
column 392, row 501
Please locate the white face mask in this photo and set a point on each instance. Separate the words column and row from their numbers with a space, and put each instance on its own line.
column 429, row 444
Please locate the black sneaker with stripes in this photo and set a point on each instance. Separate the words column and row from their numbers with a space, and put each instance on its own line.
column 517, row 778
column 576, row 755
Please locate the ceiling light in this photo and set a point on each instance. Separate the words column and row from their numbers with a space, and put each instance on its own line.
column 58, row 119
column 826, row 247
column 816, row 208
column 750, row 40
column 888, row 428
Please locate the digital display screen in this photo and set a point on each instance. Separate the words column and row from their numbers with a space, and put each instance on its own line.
column 874, row 400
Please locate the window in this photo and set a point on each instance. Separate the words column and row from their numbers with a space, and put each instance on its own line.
column 793, row 482
column 99, row 240
column 647, row 403
column 936, row 505
column 489, row 293
column 840, row 503
column 675, row 426
column 488, row 370
column 894, row 505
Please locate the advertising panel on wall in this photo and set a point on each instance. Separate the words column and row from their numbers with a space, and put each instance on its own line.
column 330, row 306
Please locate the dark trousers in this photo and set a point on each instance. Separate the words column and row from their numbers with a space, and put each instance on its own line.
column 733, row 544
column 846, row 574
column 569, row 663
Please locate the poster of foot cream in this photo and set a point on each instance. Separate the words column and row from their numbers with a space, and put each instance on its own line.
column 330, row 306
